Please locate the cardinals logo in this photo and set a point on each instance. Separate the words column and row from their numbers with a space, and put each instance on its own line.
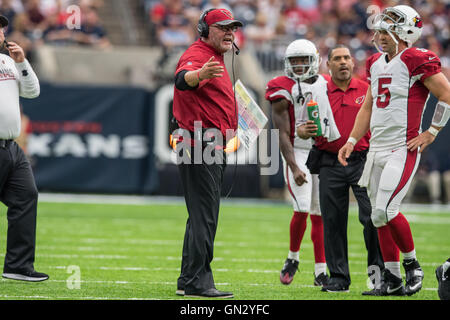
column 227, row 13
column 359, row 100
column 417, row 22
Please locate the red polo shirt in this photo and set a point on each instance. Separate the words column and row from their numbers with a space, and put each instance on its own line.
column 345, row 107
column 212, row 102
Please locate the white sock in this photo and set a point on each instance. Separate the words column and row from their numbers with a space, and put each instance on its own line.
column 445, row 266
column 320, row 268
column 394, row 268
column 410, row 255
column 294, row 255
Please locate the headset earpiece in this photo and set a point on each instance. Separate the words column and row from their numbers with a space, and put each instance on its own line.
column 202, row 26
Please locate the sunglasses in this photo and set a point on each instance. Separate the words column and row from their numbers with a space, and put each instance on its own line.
column 225, row 28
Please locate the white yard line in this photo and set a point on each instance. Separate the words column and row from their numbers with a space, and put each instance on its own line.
column 178, row 258
column 146, row 200
column 168, row 200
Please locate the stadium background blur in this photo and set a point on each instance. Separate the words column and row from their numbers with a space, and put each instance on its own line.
column 101, row 122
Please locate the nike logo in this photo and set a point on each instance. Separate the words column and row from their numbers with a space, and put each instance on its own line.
column 431, row 58
column 389, row 290
column 414, row 287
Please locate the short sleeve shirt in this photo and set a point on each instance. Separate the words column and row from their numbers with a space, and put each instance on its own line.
column 213, row 101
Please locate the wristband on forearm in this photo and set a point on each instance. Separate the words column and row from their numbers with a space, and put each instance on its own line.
column 441, row 114
column 433, row 131
column 352, row 140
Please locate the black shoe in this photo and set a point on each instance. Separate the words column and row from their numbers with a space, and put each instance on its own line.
column 210, row 293
column 32, row 276
column 180, row 286
column 335, row 286
column 373, row 292
column 320, row 280
column 414, row 276
column 443, row 283
column 179, row 292
column 289, row 269
column 391, row 285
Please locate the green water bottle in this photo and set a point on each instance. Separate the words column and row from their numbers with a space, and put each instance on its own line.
column 313, row 114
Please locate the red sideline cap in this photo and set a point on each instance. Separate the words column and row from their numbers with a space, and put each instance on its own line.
column 221, row 17
column 3, row 21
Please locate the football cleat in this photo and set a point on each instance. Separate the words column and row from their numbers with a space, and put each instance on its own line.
column 320, row 280
column 391, row 285
column 414, row 276
column 289, row 269
column 443, row 283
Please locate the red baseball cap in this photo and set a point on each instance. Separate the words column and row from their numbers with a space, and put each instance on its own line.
column 222, row 17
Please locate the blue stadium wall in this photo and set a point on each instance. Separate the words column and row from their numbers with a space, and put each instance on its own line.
column 87, row 139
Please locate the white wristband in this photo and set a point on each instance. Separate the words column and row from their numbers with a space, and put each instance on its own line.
column 433, row 131
column 352, row 141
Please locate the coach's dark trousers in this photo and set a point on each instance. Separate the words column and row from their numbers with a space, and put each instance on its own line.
column 202, row 184
column 334, row 186
column 19, row 193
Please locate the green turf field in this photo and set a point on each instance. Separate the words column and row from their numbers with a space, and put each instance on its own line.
column 133, row 252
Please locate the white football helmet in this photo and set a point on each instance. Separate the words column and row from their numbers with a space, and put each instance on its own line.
column 407, row 26
column 302, row 48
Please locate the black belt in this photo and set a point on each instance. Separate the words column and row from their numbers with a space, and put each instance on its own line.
column 4, row 143
column 358, row 155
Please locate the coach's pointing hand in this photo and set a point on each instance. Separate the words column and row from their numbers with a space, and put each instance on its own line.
column 211, row 69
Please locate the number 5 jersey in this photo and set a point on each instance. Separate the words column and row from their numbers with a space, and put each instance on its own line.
column 399, row 95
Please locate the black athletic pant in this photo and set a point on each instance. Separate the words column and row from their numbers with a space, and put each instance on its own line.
column 19, row 193
column 202, row 186
column 334, row 186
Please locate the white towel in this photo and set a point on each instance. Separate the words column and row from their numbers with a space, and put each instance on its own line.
column 365, row 177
